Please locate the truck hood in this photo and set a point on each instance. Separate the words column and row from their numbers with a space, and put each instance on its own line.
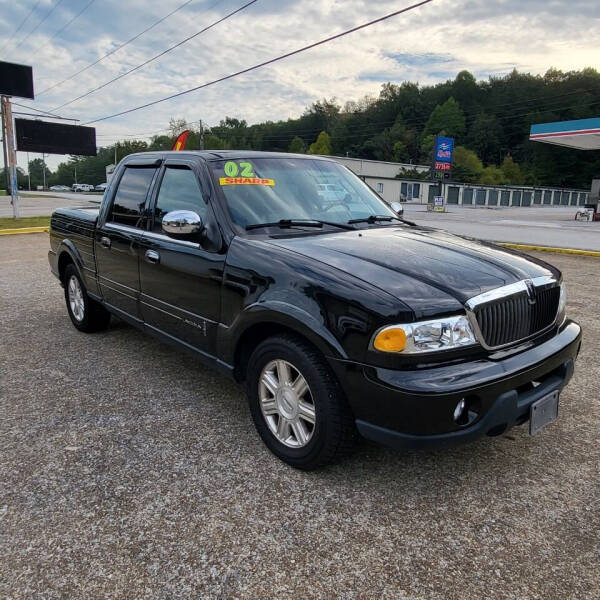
column 430, row 270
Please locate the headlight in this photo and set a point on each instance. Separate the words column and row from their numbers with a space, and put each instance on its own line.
column 425, row 336
column 562, row 305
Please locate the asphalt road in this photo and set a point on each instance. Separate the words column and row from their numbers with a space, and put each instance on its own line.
column 539, row 226
column 44, row 203
column 128, row 470
column 544, row 226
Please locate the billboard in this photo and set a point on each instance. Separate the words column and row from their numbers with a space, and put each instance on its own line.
column 444, row 147
column 55, row 138
column 16, row 80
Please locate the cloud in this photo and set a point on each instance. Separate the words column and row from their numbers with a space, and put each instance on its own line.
column 427, row 45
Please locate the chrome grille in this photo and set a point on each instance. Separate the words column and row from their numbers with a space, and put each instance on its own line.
column 511, row 314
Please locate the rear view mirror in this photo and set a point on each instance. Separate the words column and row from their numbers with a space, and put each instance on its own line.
column 182, row 222
column 397, row 208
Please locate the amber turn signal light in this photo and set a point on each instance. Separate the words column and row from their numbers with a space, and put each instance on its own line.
column 392, row 339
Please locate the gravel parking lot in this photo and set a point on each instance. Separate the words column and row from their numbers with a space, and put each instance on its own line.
column 128, row 470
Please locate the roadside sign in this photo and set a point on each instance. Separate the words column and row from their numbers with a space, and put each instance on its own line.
column 444, row 148
column 55, row 138
column 16, row 80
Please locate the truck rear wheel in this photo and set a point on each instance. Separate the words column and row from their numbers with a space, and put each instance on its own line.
column 85, row 313
column 297, row 404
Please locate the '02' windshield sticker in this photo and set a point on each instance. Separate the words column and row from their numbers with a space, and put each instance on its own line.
column 245, row 181
column 243, row 169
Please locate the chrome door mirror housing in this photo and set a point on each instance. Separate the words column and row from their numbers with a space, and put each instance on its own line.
column 182, row 222
column 397, row 208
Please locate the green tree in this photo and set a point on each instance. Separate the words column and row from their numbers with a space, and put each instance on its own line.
column 446, row 119
column 322, row 145
column 492, row 175
column 466, row 165
column 484, row 138
column 297, row 145
column 36, row 173
column 512, row 171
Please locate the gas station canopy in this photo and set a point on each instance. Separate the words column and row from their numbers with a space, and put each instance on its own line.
column 583, row 134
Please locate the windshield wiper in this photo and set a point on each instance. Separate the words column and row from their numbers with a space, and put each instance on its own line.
column 372, row 219
column 283, row 223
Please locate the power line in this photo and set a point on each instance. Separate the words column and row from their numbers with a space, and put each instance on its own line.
column 59, row 31
column 135, row 37
column 43, row 112
column 43, row 20
column 214, row 24
column 21, row 25
column 265, row 63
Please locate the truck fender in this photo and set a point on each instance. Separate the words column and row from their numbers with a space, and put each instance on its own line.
column 285, row 315
column 68, row 247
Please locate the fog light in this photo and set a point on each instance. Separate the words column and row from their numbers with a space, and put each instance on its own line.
column 459, row 410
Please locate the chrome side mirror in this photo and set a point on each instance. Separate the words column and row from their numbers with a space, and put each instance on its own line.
column 182, row 222
column 397, row 208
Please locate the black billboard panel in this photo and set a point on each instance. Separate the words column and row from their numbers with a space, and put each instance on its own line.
column 55, row 138
column 16, row 80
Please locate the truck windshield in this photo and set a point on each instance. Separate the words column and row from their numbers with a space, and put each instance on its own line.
column 267, row 190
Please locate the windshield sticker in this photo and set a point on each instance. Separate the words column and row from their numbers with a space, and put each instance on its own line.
column 233, row 169
column 245, row 181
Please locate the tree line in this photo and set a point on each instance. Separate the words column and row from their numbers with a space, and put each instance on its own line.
column 490, row 121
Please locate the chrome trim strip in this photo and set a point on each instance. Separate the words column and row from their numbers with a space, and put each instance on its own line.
column 103, row 284
column 103, row 278
column 166, row 238
column 145, row 296
column 506, row 291
column 126, row 228
column 151, row 234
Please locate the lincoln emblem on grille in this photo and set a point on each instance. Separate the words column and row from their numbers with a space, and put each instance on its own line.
column 530, row 291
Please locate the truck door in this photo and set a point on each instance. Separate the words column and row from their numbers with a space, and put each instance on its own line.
column 118, row 235
column 180, row 279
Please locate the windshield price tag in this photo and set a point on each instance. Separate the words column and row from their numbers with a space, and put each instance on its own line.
column 245, row 181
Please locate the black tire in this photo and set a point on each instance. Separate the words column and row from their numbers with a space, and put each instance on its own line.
column 95, row 316
column 334, row 434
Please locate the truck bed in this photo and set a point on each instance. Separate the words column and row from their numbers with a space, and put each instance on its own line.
column 77, row 225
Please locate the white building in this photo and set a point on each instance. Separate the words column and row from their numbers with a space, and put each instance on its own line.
column 382, row 177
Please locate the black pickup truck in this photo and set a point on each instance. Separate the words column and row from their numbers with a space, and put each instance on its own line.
column 287, row 272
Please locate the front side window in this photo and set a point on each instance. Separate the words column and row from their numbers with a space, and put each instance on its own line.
column 130, row 197
column 264, row 190
column 179, row 190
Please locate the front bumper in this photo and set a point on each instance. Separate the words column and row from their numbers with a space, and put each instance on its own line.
column 416, row 408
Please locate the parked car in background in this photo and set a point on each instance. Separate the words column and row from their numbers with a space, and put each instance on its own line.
column 82, row 187
column 100, row 187
column 60, row 188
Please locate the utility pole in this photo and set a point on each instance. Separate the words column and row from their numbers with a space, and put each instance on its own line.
column 115, row 154
column 75, row 172
column 12, row 154
column 4, row 150
column 28, row 173
column 44, row 170
column 201, row 135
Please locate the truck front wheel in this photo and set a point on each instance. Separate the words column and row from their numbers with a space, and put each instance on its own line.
column 85, row 313
column 297, row 404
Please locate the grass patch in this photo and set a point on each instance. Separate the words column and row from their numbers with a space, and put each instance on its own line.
column 10, row 223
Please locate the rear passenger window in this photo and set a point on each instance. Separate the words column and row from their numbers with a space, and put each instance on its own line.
column 128, row 204
column 179, row 190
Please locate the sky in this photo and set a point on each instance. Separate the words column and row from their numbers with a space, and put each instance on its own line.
column 426, row 45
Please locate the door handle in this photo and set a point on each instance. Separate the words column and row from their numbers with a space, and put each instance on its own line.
column 152, row 256
column 105, row 242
